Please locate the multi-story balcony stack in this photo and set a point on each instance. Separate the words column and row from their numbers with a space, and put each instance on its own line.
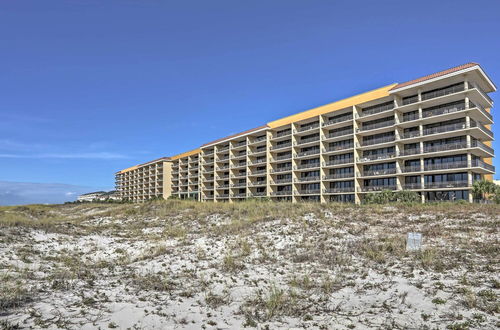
column 145, row 181
column 431, row 135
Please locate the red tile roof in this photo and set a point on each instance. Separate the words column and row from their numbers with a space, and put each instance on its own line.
column 236, row 135
column 434, row 75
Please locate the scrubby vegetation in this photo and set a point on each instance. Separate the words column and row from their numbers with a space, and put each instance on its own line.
column 183, row 264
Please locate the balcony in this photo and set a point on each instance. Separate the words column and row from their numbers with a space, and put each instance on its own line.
column 258, row 172
column 308, row 127
column 339, row 161
column 281, row 169
column 259, row 139
column 282, row 157
column 412, row 186
column 306, row 166
column 446, row 184
column 238, row 175
column 377, row 109
column 377, row 125
column 222, row 168
column 481, row 145
column 410, row 99
column 239, row 184
column 308, row 140
column 257, row 183
column 378, row 141
column 238, row 156
column 343, row 132
column 257, row 194
column 378, row 188
column 445, row 147
column 472, row 85
column 282, row 181
column 411, row 134
column 386, row 171
column 380, row 156
column 338, row 176
column 284, row 133
column 443, row 91
column 223, row 196
column 239, row 165
column 451, row 108
column 258, row 162
column 338, row 190
column 281, row 146
column 308, row 179
column 306, row 153
column 282, row 193
column 256, row 152
column 338, row 148
column 410, row 169
column 409, row 152
column 481, row 109
column 220, row 159
column 445, row 166
column 239, row 195
column 309, row 191
column 337, row 120
column 240, row 144
column 222, row 177
column 483, row 165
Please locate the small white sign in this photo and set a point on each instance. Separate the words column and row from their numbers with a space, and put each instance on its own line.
column 414, row 242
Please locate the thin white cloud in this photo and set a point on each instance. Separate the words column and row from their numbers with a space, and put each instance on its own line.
column 83, row 155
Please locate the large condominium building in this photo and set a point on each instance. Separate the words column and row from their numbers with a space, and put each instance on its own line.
column 431, row 135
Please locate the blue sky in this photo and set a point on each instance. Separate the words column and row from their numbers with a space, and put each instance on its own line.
column 91, row 87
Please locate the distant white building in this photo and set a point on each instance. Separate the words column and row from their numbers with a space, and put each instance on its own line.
column 99, row 196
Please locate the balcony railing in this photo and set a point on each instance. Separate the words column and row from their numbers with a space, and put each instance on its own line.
column 442, row 92
column 239, row 184
column 257, row 194
column 482, row 164
column 411, row 117
column 373, row 110
column 480, row 90
column 309, row 191
column 339, row 161
column 260, row 139
column 258, row 172
column 377, row 125
column 446, row 184
column 445, row 166
column 338, row 190
column 258, row 161
column 481, row 145
column 239, row 165
column 284, row 133
column 481, row 108
column 308, row 140
column 412, row 185
column 281, row 169
column 377, row 157
column 257, row 183
column 378, row 188
column 380, row 172
column 410, row 99
column 305, row 166
column 282, row 181
column 221, row 177
column 223, row 186
column 445, row 147
column 338, row 133
column 222, row 196
column 240, row 144
column 338, row 148
column 482, row 128
column 240, row 195
column 308, row 179
column 409, row 135
column 280, row 146
column 308, row 127
column 307, row 153
column 282, row 193
column 378, row 141
column 257, row 151
column 443, row 110
column 337, row 120
column 409, row 151
column 445, row 128
column 338, row 176
column 283, row 157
